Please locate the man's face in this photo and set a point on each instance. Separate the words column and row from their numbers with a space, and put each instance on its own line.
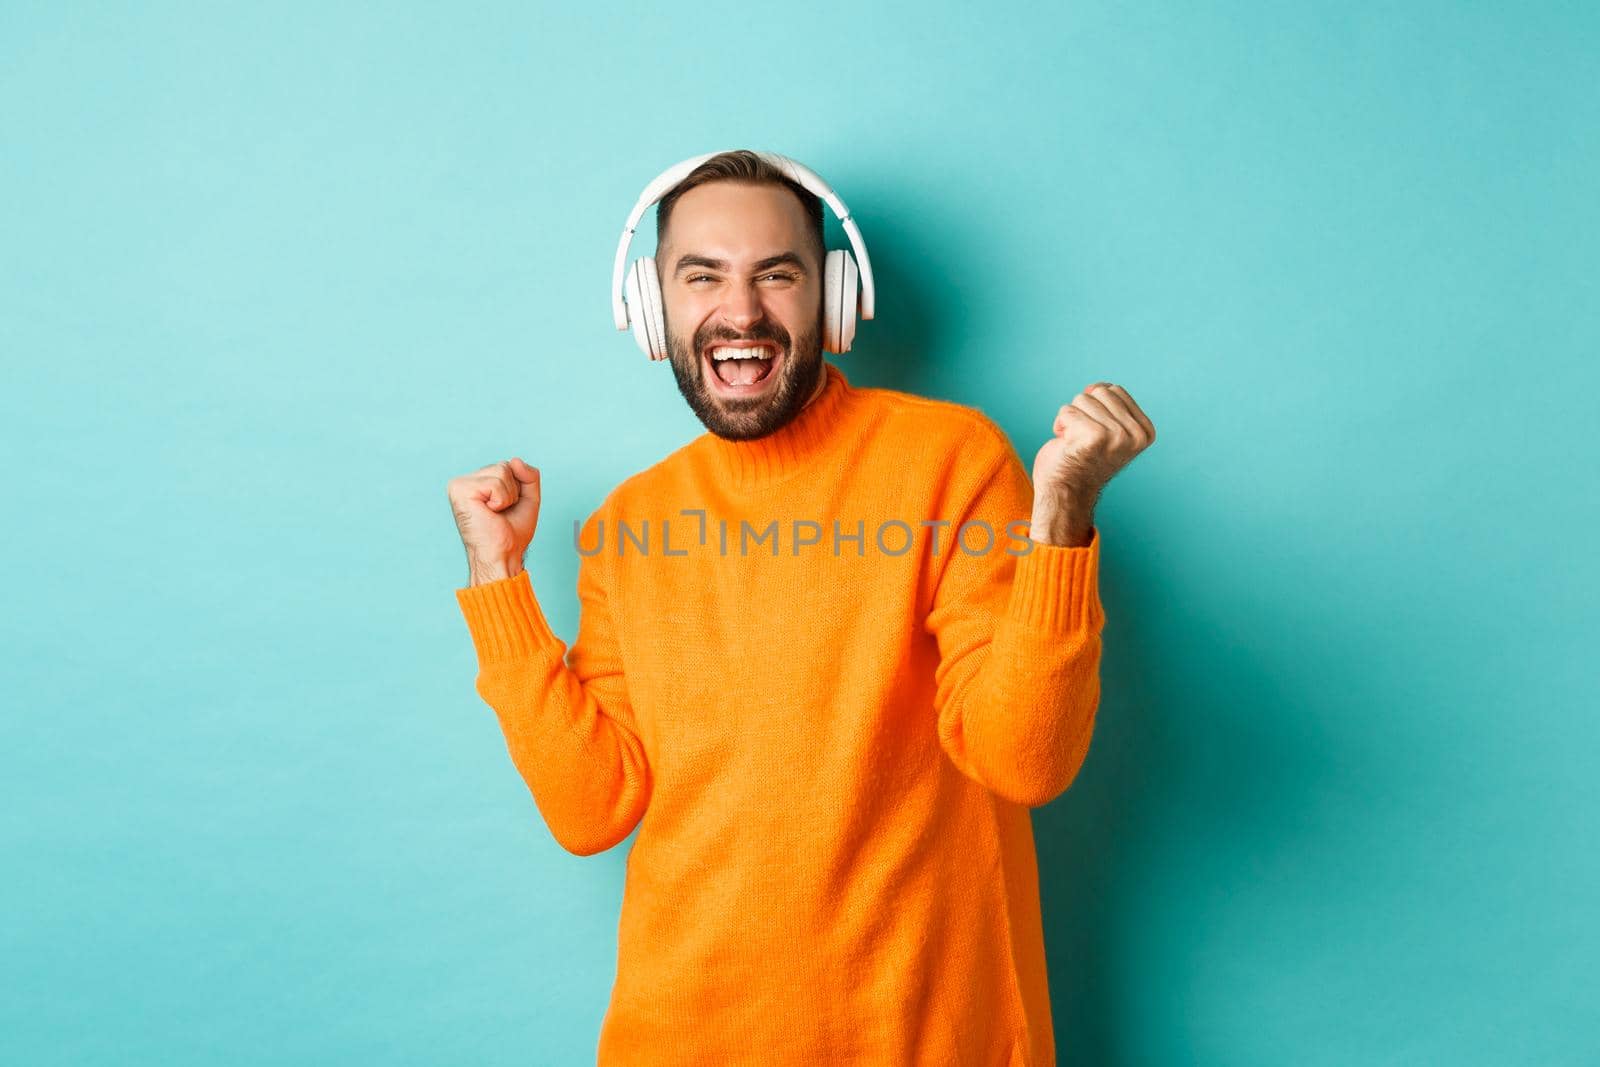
column 739, row 268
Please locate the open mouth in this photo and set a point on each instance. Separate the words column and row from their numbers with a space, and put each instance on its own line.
column 742, row 367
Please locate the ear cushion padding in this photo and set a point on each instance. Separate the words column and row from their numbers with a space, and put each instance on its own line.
column 840, row 281
column 645, row 310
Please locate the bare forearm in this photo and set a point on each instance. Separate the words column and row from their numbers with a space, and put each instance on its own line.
column 1057, row 521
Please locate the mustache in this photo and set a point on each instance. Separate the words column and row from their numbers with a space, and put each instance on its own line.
column 777, row 337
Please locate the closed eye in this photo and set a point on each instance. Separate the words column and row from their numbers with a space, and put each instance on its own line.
column 774, row 274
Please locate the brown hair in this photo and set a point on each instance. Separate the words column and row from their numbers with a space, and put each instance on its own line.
column 741, row 165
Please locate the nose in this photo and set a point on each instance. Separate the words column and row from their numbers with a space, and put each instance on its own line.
column 743, row 307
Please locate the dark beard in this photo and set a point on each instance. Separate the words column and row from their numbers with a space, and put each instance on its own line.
column 747, row 418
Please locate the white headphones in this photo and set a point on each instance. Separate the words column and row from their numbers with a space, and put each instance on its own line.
column 840, row 301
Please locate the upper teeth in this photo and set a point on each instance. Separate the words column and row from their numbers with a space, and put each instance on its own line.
column 754, row 352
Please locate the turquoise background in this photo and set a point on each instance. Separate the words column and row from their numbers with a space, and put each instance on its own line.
column 270, row 276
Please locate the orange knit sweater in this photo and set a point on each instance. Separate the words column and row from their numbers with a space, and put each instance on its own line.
column 832, row 719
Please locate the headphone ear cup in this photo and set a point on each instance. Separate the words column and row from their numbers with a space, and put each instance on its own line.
column 840, row 296
column 645, row 313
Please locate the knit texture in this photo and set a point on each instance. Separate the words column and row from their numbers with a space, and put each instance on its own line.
column 830, row 748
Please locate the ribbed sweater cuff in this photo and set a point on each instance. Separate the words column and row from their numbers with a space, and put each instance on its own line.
column 505, row 620
column 1057, row 587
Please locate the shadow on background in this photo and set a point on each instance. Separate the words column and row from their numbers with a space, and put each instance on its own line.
column 1207, row 755
column 915, row 306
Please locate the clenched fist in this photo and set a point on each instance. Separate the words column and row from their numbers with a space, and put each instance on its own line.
column 1096, row 435
column 496, row 510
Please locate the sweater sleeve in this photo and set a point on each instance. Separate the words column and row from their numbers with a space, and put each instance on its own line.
column 1018, row 630
column 566, row 717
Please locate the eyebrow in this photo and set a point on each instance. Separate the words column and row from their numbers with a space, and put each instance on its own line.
column 689, row 259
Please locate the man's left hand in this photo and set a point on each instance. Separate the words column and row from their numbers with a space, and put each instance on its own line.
column 1095, row 436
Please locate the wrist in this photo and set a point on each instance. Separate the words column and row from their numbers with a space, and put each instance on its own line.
column 481, row 572
column 1062, row 522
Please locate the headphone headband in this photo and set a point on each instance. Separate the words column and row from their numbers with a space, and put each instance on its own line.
column 664, row 182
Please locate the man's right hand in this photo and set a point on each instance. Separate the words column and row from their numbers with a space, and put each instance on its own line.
column 496, row 510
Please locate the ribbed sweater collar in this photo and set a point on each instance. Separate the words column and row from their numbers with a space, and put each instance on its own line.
column 793, row 447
